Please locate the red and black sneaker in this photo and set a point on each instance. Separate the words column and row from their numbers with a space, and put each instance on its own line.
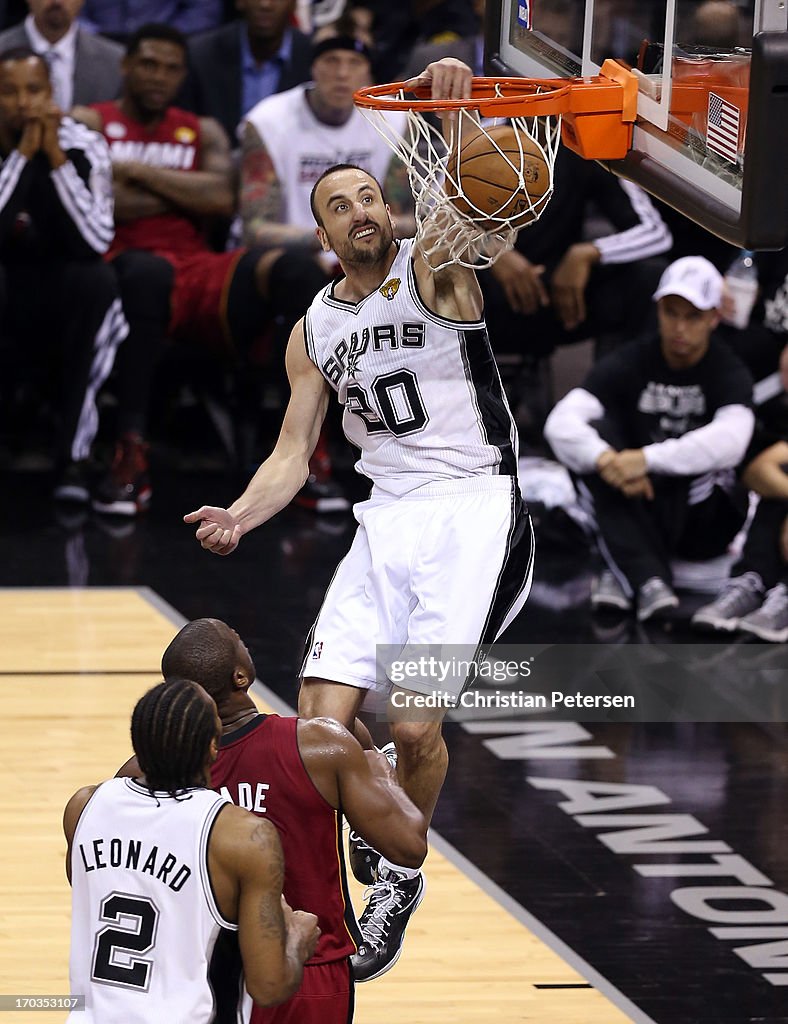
column 126, row 489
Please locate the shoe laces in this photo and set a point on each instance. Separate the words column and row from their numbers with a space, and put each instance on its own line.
column 736, row 588
column 359, row 840
column 776, row 600
column 384, row 900
column 608, row 582
column 390, row 753
column 653, row 585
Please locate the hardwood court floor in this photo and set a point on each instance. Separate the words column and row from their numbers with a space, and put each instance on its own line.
column 74, row 662
column 583, row 878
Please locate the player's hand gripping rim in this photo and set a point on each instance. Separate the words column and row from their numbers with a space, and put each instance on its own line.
column 448, row 78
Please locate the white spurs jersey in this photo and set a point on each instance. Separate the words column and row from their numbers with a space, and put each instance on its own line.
column 146, row 931
column 422, row 395
column 302, row 148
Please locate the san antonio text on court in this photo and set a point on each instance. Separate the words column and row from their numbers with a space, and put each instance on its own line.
column 515, row 699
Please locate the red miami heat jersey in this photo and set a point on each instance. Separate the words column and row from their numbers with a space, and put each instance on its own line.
column 174, row 144
column 260, row 768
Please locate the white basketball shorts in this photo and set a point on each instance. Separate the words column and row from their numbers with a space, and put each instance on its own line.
column 448, row 564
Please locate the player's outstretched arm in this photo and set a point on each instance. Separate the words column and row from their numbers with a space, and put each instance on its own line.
column 365, row 786
column 285, row 471
column 247, row 868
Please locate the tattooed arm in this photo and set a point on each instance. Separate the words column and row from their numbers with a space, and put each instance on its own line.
column 396, row 189
column 262, row 200
column 246, row 866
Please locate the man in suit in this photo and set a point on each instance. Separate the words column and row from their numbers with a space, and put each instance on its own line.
column 233, row 67
column 83, row 68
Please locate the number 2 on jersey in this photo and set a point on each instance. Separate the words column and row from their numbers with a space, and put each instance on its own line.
column 118, row 958
column 401, row 409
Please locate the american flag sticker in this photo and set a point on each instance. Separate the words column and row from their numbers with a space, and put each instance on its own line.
column 722, row 134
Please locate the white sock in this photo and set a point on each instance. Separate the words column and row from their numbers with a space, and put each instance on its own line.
column 405, row 872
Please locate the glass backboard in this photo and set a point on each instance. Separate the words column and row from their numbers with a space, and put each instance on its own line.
column 711, row 137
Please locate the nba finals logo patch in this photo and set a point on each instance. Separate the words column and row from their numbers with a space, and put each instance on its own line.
column 185, row 134
column 390, row 288
column 317, row 650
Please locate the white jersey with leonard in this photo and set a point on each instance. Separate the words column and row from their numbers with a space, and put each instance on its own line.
column 144, row 919
column 422, row 395
column 302, row 148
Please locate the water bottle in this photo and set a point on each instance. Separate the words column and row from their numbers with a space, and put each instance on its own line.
column 741, row 290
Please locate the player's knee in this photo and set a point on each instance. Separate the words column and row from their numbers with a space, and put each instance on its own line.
column 293, row 279
column 90, row 279
column 416, row 742
column 145, row 283
column 321, row 699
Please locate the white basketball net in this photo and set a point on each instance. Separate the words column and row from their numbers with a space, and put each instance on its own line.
column 447, row 235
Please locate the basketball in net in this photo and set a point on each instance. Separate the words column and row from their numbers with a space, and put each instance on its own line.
column 498, row 174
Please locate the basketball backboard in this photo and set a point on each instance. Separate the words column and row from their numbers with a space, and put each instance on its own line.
column 711, row 136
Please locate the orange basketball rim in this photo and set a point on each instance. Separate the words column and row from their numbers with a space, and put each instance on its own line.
column 598, row 112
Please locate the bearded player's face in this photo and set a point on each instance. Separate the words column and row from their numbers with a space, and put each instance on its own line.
column 355, row 219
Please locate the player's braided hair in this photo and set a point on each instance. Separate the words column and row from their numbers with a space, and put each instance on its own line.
column 171, row 730
column 205, row 652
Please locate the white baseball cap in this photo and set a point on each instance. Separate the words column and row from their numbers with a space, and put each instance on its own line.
column 694, row 279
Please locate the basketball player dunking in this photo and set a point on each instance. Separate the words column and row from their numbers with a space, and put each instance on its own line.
column 444, row 548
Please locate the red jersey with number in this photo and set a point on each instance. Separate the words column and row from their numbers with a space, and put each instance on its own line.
column 173, row 143
column 260, row 768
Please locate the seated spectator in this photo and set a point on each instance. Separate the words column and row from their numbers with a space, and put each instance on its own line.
column 120, row 20
column 234, row 67
column 289, row 140
column 654, row 435
column 83, row 68
column 172, row 170
column 55, row 224
column 755, row 599
column 554, row 288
